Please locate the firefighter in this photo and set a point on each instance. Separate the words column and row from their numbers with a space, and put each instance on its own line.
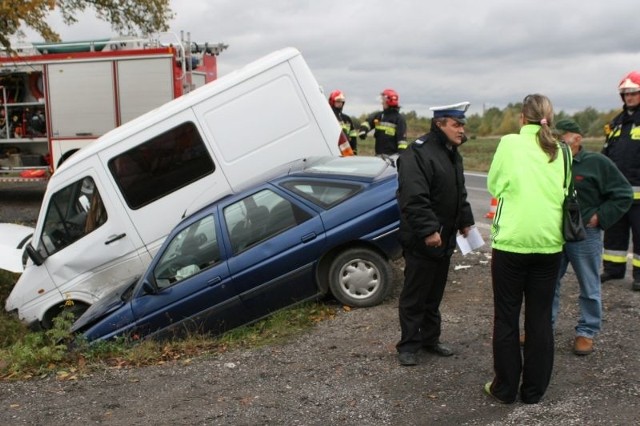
column 622, row 146
column 337, row 100
column 390, row 127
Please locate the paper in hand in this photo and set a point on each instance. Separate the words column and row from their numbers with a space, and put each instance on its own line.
column 471, row 242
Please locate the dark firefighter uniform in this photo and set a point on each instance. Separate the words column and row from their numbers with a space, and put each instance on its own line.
column 390, row 131
column 622, row 146
column 432, row 198
column 346, row 124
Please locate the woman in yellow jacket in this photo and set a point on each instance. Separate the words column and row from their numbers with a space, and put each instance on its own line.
column 526, row 176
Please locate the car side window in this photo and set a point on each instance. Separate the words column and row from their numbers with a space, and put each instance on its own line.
column 73, row 212
column 259, row 217
column 324, row 194
column 191, row 251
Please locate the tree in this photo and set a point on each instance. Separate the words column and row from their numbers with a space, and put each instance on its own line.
column 147, row 16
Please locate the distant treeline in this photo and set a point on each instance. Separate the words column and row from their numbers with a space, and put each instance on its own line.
column 498, row 122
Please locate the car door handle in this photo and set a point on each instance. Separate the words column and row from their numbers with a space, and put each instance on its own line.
column 114, row 238
column 214, row 281
column 308, row 237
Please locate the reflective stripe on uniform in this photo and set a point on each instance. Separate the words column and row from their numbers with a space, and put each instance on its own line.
column 636, row 192
column 387, row 128
column 402, row 145
column 615, row 256
column 636, row 261
column 365, row 124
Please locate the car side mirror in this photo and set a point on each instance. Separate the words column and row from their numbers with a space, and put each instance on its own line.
column 34, row 255
column 148, row 288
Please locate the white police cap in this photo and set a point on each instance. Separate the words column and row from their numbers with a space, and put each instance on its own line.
column 455, row 111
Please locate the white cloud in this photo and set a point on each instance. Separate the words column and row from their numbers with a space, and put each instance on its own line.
column 489, row 52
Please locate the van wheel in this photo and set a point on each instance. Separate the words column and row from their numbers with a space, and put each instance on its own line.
column 77, row 309
column 360, row 277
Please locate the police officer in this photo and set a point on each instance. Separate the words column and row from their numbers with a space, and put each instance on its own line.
column 390, row 127
column 433, row 205
column 337, row 100
column 622, row 146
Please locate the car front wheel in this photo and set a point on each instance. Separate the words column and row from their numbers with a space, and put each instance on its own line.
column 360, row 277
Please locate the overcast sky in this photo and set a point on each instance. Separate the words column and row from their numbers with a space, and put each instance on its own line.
column 488, row 52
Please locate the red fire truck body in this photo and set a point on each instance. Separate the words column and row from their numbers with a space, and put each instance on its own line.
column 57, row 97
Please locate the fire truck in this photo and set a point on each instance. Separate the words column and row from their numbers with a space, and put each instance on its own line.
column 56, row 98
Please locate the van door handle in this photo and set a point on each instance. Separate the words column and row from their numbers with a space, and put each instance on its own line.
column 214, row 281
column 114, row 238
column 308, row 237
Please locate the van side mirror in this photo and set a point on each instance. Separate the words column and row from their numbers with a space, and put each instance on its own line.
column 34, row 255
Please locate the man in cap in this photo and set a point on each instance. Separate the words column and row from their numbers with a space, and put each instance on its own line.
column 433, row 206
column 605, row 196
column 622, row 147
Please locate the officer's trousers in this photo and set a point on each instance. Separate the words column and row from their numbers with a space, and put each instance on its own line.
column 419, row 304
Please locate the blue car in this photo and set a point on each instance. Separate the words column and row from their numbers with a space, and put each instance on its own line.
column 317, row 225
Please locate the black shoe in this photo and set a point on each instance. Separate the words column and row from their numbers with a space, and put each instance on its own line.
column 607, row 276
column 407, row 358
column 487, row 390
column 636, row 285
column 439, row 349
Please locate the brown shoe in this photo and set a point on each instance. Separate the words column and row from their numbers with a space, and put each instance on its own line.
column 582, row 345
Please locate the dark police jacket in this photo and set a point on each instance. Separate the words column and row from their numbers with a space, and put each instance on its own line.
column 431, row 195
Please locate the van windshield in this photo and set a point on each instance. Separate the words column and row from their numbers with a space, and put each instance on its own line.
column 74, row 211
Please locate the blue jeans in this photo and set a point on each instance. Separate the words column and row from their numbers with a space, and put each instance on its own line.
column 585, row 257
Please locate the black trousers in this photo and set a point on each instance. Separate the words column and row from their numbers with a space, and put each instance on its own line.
column 532, row 276
column 616, row 244
column 419, row 305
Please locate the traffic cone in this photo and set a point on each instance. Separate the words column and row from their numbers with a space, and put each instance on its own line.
column 492, row 209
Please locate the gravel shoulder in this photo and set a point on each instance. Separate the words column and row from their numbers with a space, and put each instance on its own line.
column 344, row 371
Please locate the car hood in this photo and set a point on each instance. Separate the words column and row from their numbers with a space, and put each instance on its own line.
column 109, row 302
column 13, row 239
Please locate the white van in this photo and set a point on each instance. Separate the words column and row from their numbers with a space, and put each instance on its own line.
column 108, row 208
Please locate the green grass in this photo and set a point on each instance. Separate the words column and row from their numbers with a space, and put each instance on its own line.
column 478, row 152
column 25, row 354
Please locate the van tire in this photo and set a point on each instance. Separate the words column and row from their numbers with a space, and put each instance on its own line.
column 77, row 309
column 360, row 277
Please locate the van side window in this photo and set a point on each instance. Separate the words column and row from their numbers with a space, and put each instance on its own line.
column 161, row 165
column 192, row 250
column 259, row 217
column 74, row 211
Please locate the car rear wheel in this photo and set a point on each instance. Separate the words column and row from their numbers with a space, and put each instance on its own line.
column 360, row 277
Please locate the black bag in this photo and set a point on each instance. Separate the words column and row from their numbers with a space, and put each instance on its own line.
column 572, row 226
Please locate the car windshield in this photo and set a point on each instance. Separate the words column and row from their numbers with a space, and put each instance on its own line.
column 349, row 166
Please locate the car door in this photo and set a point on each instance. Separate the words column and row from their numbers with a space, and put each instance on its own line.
column 273, row 254
column 192, row 280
